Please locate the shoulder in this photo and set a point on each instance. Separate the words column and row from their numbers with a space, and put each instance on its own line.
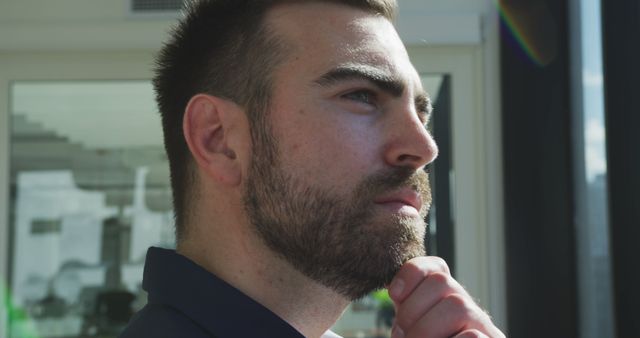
column 156, row 320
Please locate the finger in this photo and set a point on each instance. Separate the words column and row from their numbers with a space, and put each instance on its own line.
column 473, row 333
column 425, row 296
column 412, row 273
column 453, row 314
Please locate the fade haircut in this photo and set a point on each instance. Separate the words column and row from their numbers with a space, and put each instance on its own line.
column 222, row 48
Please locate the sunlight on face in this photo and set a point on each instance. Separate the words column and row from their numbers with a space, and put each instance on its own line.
column 311, row 193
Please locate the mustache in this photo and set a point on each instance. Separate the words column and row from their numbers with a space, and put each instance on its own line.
column 396, row 178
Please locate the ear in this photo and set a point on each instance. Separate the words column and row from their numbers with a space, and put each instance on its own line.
column 207, row 125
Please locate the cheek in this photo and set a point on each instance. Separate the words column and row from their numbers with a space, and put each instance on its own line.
column 334, row 152
column 327, row 143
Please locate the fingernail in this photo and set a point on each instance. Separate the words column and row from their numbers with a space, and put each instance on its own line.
column 397, row 332
column 395, row 290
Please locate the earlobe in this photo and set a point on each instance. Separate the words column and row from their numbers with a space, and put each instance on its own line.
column 206, row 125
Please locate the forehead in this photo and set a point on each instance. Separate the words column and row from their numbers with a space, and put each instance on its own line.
column 324, row 35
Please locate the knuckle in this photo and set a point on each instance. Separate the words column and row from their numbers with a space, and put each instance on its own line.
column 458, row 303
column 441, row 264
column 407, row 318
column 415, row 268
column 497, row 333
column 403, row 320
column 420, row 330
column 440, row 278
column 473, row 333
column 420, row 267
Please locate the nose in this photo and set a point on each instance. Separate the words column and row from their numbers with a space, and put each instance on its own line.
column 411, row 144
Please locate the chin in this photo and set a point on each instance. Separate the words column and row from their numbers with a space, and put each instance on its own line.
column 389, row 243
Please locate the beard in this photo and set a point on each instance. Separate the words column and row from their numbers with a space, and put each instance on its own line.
column 339, row 241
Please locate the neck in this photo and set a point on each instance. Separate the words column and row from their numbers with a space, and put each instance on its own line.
column 235, row 255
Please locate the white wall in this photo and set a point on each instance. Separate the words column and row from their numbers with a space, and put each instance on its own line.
column 102, row 24
column 76, row 24
column 444, row 6
column 112, row 10
column 74, row 10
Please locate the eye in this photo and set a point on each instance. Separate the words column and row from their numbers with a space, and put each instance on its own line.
column 424, row 118
column 364, row 96
column 424, row 109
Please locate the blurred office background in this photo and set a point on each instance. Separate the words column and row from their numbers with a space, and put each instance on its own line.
column 537, row 204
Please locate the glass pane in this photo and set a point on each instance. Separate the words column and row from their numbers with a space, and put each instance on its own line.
column 372, row 316
column 89, row 195
column 592, row 214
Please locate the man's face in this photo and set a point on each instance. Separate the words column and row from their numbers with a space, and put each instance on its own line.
column 339, row 192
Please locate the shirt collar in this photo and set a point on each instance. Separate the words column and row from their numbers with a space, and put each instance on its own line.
column 224, row 311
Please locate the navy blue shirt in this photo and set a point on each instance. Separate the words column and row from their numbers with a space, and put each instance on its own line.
column 187, row 301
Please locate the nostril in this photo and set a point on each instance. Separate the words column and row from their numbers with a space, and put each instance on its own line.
column 404, row 158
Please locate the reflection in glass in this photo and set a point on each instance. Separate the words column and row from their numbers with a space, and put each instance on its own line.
column 592, row 234
column 89, row 195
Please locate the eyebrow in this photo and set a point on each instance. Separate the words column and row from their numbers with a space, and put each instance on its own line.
column 379, row 78
column 382, row 80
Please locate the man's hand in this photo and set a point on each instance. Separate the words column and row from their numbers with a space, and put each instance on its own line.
column 430, row 303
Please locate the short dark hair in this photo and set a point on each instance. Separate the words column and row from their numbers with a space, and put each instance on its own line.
column 222, row 48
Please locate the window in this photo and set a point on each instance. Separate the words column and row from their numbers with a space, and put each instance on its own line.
column 89, row 195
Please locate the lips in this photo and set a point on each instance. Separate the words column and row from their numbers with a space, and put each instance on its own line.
column 406, row 196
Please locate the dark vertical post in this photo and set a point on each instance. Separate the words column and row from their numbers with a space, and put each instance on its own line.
column 621, row 40
column 444, row 241
column 539, row 227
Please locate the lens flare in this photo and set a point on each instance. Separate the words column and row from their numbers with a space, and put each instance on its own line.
column 533, row 28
